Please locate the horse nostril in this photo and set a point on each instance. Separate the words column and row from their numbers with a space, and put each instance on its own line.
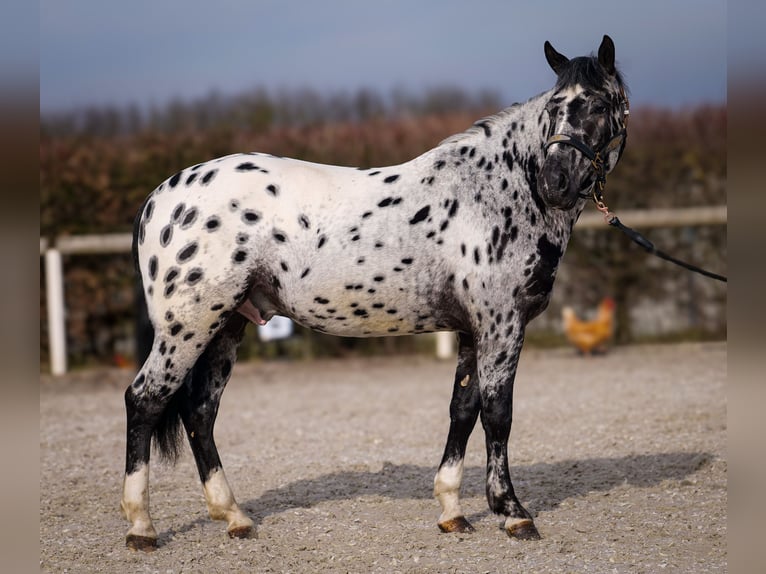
column 563, row 182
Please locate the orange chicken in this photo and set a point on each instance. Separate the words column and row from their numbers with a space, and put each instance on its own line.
column 590, row 336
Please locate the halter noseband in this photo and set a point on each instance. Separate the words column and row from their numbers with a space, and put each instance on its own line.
column 596, row 157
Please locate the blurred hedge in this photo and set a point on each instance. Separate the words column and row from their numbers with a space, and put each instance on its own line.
column 97, row 166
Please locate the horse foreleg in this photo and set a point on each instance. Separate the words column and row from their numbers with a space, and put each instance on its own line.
column 464, row 410
column 198, row 408
column 497, row 370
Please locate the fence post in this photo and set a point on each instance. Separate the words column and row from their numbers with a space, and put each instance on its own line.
column 445, row 345
column 54, row 287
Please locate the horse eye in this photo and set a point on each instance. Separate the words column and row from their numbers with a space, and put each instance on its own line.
column 599, row 109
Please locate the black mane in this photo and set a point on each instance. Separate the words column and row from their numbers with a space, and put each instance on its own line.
column 587, row 72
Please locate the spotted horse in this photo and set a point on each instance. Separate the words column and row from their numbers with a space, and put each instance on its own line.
column 466, row 237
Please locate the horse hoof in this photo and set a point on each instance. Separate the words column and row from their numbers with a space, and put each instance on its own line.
column 142, row 543
column 459, row 524
column 240, row 532
column 523, row 530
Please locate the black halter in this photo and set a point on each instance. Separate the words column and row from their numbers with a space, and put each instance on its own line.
column 596, row 157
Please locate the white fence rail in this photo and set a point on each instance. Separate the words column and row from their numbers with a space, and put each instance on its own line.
column 121, row 243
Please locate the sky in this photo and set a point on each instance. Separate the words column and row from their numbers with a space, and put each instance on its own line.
column 673, row 53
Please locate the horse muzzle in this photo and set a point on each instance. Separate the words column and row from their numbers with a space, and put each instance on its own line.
column 561, row 187
column 558, row 186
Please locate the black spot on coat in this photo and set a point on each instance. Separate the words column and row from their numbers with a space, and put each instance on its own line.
column 187, row 252
column 250, row 217
column 239, row 256
column 420, row 215
column 171, row 274
column 208, row 177
column 166, row 235
column 194, row 276
column 176, row 215
column 485, row 126
column 153, row 267
column 189, row 218
column 148, row 210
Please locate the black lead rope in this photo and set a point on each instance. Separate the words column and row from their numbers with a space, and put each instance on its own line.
column 597, row 191
column 614, row 221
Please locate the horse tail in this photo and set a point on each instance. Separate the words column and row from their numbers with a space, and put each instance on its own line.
column 168, row 438
column 167, row 431
column 144, row 334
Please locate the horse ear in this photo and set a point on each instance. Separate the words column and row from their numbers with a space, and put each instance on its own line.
column 555, row 60
column 606, row 54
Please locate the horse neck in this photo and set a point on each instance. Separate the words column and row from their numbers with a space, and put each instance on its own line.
column 515, row 136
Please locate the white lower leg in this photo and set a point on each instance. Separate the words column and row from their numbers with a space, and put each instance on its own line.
column 221, row 504
column 447, row 491
column 135, row 503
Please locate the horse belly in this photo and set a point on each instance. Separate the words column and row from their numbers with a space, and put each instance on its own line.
column 356, row 309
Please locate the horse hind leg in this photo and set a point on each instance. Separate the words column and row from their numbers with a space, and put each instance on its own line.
column 146, row 403
column 464, row 410
column 184, row 331
column 198, row 407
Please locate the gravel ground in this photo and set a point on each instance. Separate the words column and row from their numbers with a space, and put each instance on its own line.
column 621, row 458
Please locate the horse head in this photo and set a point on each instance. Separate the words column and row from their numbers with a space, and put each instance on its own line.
column 587, row 119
